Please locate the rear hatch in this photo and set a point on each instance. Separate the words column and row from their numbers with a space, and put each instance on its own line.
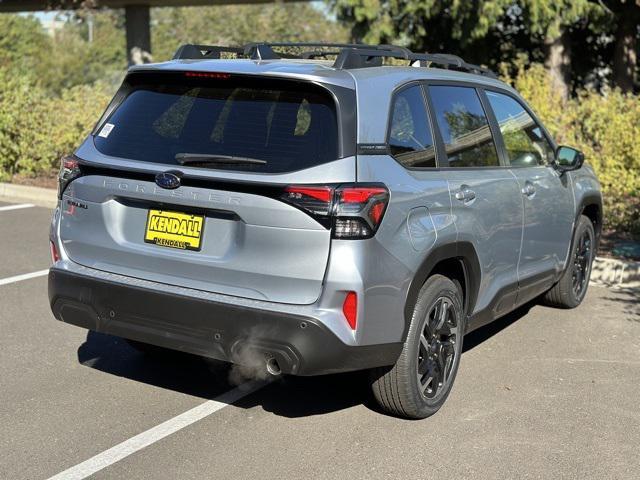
column 235, row 144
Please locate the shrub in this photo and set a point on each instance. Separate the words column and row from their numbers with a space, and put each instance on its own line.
column 606, row 127
column 36, row 129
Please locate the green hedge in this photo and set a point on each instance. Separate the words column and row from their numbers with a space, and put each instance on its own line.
column 36, row 129
column 606, row 127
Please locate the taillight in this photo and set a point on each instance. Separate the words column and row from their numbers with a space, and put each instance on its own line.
column 350, row 309
column 359, row 211
column 55, row 256
column 316, row 200
column 69, row 170
column 353, row 211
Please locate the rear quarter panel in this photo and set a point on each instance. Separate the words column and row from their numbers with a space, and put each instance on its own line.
column 418, row 219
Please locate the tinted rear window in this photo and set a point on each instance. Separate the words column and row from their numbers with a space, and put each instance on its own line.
column 290, row 125
column 464, row 127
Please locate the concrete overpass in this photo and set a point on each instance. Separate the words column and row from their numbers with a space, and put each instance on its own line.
column 137, row 19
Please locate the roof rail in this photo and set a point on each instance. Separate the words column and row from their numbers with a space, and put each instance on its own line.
column 452, row 62
column 348, row 55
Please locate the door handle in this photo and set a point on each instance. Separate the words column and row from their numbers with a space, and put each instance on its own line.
column 465, row 194
column 528, row 190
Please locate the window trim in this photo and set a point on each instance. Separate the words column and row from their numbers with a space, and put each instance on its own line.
column 436, row 144
column 501, row 149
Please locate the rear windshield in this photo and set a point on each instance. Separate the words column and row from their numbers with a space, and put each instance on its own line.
column 289, row 125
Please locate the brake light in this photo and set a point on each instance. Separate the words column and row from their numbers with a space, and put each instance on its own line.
column 69, row 170
column 350, row 309
column 222, row 76
column 359, row 211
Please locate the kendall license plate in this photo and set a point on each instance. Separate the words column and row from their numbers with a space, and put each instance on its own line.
column 174, row 229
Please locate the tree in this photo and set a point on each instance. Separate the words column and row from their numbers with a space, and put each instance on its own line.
column 551, row 20
column 23, row 44
column 239, row 24
column 626, row 16
column 88, row 48
column 433, row 25
column 482, row 31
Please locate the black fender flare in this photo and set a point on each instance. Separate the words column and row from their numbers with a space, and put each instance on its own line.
column 462, row 251
column 588, row 200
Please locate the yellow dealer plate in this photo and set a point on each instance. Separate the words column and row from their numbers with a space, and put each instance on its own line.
column 174, row 229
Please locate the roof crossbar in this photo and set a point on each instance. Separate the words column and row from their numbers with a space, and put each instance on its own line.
column 204, row 52
column 348, row 55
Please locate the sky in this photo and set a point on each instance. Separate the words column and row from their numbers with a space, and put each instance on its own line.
column 43, row 16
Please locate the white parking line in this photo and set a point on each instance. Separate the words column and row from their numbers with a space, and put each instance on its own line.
column 16, row 207
column 24, row 276
column 144, row 439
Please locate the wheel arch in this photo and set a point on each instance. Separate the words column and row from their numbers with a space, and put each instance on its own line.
column 591, row 207
column 458, row 261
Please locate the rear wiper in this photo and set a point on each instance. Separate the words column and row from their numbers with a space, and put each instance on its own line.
column 186, row 158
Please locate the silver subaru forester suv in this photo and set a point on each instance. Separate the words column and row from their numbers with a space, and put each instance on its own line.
column 319, row 208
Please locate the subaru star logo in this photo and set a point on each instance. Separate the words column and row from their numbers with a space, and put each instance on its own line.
column 168, row 180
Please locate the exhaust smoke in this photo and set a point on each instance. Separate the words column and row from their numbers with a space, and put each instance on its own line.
column 250, row 361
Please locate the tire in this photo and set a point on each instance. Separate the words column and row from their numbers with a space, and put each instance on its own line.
column 405, row 389
column 572, row 286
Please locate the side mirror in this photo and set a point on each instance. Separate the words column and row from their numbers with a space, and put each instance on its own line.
column 568, row 159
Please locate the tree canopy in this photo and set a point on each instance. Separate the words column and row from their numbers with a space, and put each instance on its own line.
column 581, row 41
column 90, row 45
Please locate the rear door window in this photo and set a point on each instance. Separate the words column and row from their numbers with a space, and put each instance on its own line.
column 287, row 125
column 464, row 127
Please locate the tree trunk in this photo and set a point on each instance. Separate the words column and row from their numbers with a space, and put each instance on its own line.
column 625, row 55
column 138, row 31
column 558, row 62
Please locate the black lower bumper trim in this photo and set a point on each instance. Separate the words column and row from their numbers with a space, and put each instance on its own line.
column 301, row 345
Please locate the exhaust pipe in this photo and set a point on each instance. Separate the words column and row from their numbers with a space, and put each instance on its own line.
column 272, row 367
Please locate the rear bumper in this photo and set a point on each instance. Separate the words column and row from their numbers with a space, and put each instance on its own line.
column 302, row 345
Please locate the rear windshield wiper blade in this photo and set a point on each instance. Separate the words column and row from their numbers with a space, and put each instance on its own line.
column 186, row 158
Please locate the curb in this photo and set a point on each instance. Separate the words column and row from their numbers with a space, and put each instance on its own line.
column 613, row 272
column 606, row 271
column 43, row 197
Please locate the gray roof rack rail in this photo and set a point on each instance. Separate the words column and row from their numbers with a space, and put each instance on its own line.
column 348, row 55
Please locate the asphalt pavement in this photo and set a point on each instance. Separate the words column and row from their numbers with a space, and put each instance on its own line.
column 541, row 393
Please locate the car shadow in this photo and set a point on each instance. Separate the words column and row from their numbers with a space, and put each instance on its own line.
column 285, row 396
column 172, row 370
column 482, row 334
